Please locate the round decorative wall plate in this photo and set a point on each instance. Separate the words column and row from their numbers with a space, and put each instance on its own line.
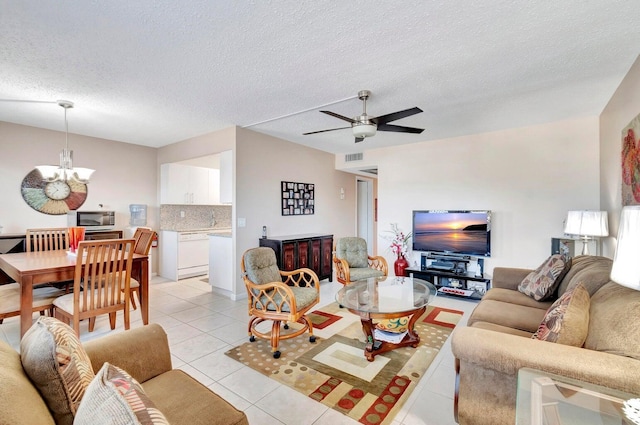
column 54, row 198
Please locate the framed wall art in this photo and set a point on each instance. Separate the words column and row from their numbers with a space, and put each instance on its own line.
column 631, row 163
column 298, row 198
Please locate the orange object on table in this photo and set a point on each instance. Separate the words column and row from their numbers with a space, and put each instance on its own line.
column 76, row 235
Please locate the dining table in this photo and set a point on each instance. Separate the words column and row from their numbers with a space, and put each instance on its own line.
column 34, row 268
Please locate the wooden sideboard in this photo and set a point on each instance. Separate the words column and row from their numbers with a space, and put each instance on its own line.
column 313, row 250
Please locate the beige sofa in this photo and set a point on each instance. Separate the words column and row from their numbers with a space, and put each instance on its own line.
column 497, row 342
column 144, row 353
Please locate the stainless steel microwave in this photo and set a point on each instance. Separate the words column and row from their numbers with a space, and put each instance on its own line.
column 97, row 220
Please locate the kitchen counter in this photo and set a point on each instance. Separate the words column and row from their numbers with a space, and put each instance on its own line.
column 212, row 230
column 221, row 233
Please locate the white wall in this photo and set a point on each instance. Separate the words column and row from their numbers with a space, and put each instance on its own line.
column 265, row 161
column 125, row 174
column 621, row 109
column 261, row 162
column 529, row 177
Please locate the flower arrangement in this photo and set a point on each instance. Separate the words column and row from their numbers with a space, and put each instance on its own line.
column 399, row 241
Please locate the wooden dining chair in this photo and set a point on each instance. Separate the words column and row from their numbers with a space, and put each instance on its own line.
column 100, row 285
column 144, row 238
column 49, row 239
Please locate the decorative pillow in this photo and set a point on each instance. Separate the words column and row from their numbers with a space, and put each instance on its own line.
column 398, row 325
column 567, row 320
column 541, row 283
column 115, row 398
column 58, row 366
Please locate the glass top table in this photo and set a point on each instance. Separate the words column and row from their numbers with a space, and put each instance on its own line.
column 548, row 399
column 387, row 298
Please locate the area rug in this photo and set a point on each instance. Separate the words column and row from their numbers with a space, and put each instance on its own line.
column 334, row 371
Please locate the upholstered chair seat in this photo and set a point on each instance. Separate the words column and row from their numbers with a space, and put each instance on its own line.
column 43, row 298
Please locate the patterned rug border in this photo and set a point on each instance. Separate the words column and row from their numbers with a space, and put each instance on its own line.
column 334, row 371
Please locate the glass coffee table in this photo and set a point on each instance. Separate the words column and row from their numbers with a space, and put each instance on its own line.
column 387, row 298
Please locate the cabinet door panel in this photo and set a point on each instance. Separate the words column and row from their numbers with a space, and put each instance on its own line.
column 304, row 247
column 316, row 255
column 327, row 258
column 289, row 256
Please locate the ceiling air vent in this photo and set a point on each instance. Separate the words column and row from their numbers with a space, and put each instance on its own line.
column 353, row 157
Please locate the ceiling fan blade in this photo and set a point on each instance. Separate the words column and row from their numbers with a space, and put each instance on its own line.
column 342, row 117
column 399, row 128
column 383, row 119
column 359, row 139
column 322, row 131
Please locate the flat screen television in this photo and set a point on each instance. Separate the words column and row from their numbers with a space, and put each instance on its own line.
column 452, row 232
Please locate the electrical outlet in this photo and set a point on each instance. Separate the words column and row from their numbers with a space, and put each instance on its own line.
column 242, row 222
column 182, row 214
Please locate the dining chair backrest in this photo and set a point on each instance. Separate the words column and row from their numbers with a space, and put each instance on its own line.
column 47, row 239
column 102, row 276
column 144, row 238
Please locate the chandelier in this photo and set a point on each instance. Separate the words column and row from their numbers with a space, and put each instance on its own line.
column 65, row 171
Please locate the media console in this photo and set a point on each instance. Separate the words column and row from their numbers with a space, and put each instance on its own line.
column 451, row 274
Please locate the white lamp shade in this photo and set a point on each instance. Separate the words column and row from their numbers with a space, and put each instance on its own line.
column 587, row 223
column 625, row 270
column 48, row 172
column 364, row 130
column 82, row 174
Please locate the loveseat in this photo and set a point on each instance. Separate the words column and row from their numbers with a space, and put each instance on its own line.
column 142, row 352
column 497, row 341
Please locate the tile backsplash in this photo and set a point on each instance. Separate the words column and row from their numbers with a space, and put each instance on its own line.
column 195, row 217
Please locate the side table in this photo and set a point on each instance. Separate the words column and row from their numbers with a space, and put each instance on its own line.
column 548, row 399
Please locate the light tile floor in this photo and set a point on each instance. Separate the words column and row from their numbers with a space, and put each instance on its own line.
column 202, row 325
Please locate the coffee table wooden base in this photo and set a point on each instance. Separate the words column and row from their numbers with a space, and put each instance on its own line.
column 374, row 347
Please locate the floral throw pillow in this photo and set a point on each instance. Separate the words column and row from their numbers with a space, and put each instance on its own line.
column 115, row 398
column 567, row 320
column 541, row 283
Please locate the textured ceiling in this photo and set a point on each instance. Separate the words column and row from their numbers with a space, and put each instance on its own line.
column 157, row 72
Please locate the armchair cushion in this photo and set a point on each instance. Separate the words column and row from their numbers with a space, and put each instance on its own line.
column 58, row 366
column 363, row 273
column 567, row 320
column 262, row 266
column 304, row 296
column 541, row 283
column 354, row 251
column 115, row 398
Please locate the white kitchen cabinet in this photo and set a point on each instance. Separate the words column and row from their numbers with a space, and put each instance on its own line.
column 214, row 186
column 221, row 263
column 183, row 254
column 184, row 184
column 226, row 177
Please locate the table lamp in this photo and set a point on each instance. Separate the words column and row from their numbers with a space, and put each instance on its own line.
column 587, row 225
column 625, row 270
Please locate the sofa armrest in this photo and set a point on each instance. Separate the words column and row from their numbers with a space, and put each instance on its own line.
column 142, row 352
column 506, row 354
column 508, row 277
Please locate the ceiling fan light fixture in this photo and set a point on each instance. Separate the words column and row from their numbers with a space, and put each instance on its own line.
column 364, row 130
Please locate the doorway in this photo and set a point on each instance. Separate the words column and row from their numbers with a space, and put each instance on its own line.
column 365, row 213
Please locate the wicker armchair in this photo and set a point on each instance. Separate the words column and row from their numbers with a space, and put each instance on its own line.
column 272, row 299
column 353, row 263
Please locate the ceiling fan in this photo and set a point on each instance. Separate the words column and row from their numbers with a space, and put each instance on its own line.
column 366, row 125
